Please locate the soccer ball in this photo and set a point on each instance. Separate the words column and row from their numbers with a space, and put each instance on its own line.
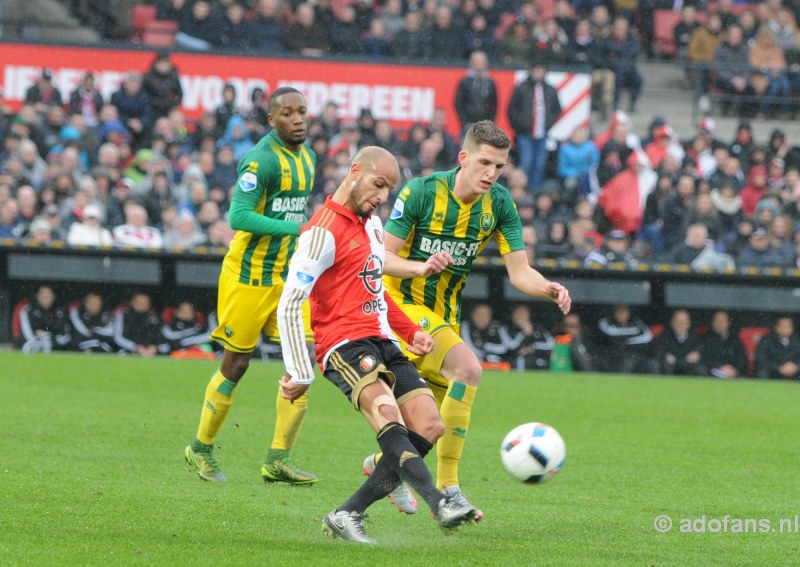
column 533, row 452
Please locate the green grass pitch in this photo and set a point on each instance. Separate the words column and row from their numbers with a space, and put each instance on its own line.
column 92, row 472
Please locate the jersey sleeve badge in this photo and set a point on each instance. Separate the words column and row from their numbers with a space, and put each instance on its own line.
column 397, row 210
column 248, row 182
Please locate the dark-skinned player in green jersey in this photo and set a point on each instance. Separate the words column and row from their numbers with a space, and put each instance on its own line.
column 268, row 211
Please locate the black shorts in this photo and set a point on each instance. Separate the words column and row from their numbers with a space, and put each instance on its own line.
column 359, row 363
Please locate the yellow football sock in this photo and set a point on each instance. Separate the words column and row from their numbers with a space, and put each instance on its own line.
column 289, row 421
column 456, row 409
column 219, row 397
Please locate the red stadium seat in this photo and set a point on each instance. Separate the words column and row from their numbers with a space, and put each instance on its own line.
column 750, row 337
column 140, row 15
column 160, row 33
column 665, row 21
column 168, row 315
column 16, row 327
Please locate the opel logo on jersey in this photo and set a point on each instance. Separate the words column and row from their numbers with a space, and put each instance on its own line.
column 372, row 274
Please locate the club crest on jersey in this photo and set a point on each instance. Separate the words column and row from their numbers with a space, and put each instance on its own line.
column 424, row 323
column 372, row 274
column 252, row 167
column 438, row 216
column 397, row 211
column 248, row 182
column 228, row 332
column 366, row 363
column 487, row 223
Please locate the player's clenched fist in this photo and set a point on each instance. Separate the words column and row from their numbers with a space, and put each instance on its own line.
column 422, row 345
column 291, row 390
column 436, row 264
column 560, row 295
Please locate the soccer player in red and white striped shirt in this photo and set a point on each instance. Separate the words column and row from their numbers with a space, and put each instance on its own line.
column 339, row 265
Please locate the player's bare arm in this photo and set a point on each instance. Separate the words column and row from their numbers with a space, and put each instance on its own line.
column 531, row 282
column 399, row 267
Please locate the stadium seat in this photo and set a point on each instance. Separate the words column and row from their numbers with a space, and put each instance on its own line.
column 140, row 16
column 663, row 42
column 168, row 315
column 16, row 326
column 750, row 336
column 159, row 33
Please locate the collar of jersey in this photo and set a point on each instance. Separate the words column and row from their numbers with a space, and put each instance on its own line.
column 282, row 144
column 344, row 211
column 451, row 185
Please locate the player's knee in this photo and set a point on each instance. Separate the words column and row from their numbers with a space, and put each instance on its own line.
column 384, row 410
column 469, row 371
column 389, row 413
column 234, row 365
column 432, row 429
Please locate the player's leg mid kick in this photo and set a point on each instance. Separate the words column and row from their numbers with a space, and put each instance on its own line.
column 406, row 433
column 453, row 372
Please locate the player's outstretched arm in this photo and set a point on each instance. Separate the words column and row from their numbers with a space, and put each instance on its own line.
column 531, row 282
column 399, row 267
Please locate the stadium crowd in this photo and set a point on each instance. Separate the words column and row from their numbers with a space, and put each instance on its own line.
column 746, row 54
column 130, row 171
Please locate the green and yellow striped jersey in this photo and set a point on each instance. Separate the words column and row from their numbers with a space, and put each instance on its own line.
column 430, row 218
column 275, row 182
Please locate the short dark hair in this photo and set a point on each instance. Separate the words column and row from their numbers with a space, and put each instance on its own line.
column 486, row 132
column 277, row 93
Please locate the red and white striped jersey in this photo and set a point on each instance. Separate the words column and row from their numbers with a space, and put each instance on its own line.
column 339, row 264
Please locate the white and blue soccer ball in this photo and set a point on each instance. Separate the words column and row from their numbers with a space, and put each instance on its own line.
column 533, row 452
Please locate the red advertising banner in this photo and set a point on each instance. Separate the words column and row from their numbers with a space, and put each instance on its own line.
column 404, row 94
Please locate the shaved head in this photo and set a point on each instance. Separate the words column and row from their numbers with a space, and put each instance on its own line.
column 373, row 174
column 377, row 159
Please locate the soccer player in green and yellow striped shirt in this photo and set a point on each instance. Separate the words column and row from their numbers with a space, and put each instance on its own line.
column 268, row 210
column 438, row 226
